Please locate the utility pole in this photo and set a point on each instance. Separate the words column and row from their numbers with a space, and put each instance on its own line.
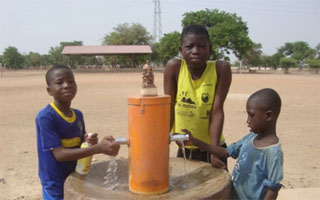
column 157, row 25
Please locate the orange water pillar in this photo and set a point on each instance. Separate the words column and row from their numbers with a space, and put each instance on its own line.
column 149, row 127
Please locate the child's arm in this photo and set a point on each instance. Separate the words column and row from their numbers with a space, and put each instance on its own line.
column 107, row 146
column 216, row 150
column 271, row 194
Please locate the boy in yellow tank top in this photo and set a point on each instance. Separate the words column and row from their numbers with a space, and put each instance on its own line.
column 198, row 88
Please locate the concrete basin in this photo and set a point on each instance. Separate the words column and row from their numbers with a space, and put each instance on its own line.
column 200, row 182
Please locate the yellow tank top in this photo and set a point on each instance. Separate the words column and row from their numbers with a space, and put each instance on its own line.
column 194, row 101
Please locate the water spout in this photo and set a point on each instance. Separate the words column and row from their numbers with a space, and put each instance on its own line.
column 179, row 137
column 121, row 140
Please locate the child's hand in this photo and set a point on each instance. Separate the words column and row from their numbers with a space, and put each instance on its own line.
column 93, row 139
column 109, row 146
column 216, row 162
column 190, row 141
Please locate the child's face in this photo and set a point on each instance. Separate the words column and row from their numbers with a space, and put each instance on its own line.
column 195, row 50
column 62, row 85
column 257, row 117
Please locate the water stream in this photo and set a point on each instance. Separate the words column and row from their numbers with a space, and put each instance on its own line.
column 184, row 182
column 111, row 179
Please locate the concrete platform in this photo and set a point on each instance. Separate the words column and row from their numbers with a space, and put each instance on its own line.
column 201, row 182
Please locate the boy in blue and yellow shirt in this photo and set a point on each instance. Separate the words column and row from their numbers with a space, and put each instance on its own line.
column 60, row 132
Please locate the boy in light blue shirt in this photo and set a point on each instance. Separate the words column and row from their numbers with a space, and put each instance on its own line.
column 258, row 171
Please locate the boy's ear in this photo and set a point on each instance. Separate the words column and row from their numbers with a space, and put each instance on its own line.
column 269, row 115
column 49, row 91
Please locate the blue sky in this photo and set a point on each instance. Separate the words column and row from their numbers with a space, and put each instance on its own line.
column 37, row 25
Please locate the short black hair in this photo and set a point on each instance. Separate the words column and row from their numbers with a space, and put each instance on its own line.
column 268, row 99
column 195, row 29
column 54, row 68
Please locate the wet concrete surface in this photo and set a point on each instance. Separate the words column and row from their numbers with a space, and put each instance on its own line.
column 200, row 182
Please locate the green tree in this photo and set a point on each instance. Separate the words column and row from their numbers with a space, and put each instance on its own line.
column 90, row 60
column 287, row 63
column 318, row 51
column 169, row 46
column 125, row 34
column 33, row 59
column 57, row 58
column 155, row 56
column 254, row 55
column 228, row 33
column 298, row 50
column 314, row 65
column 271, row 61
column 12, row 59
column 45, row 60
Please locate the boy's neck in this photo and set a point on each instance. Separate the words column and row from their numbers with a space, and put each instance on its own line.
column 64, row 107
column 266, row 139
column 196, row 73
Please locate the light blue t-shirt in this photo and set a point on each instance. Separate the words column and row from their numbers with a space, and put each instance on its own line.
column 256, row 170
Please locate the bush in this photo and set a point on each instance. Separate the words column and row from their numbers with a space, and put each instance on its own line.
column 286, row 63
column 314, row 65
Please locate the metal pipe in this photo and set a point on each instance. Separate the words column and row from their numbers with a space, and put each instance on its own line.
column 121, row 140
column 179, row 137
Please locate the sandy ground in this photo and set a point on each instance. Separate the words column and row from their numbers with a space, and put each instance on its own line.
column 102, row 97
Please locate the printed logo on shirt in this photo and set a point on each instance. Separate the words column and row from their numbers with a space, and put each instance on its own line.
column 205, row 97
column 235, row 174
column 184, row 98
column 243, row 158
column 185, row 113
column 205, row 114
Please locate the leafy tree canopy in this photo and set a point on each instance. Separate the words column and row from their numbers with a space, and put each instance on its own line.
column 298, row 50
column 314, row 65
column 12, row 59
column 228, row 33
column 286, row 63
column 169, row 46
column 33, row 59
column 125, row 34
column 271, row 61
column 57, row 58
column 318, row 51
column 254, row 55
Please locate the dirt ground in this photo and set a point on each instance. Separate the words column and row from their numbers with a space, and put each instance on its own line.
column 102, row 97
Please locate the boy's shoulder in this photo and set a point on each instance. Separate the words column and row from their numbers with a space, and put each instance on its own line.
column 249, row 136
column 48, row 111
column 174, row 62
column 45, row 111
column 77, row 111
column 275, row 150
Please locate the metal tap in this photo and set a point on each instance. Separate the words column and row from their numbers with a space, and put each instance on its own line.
column 179, row 137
